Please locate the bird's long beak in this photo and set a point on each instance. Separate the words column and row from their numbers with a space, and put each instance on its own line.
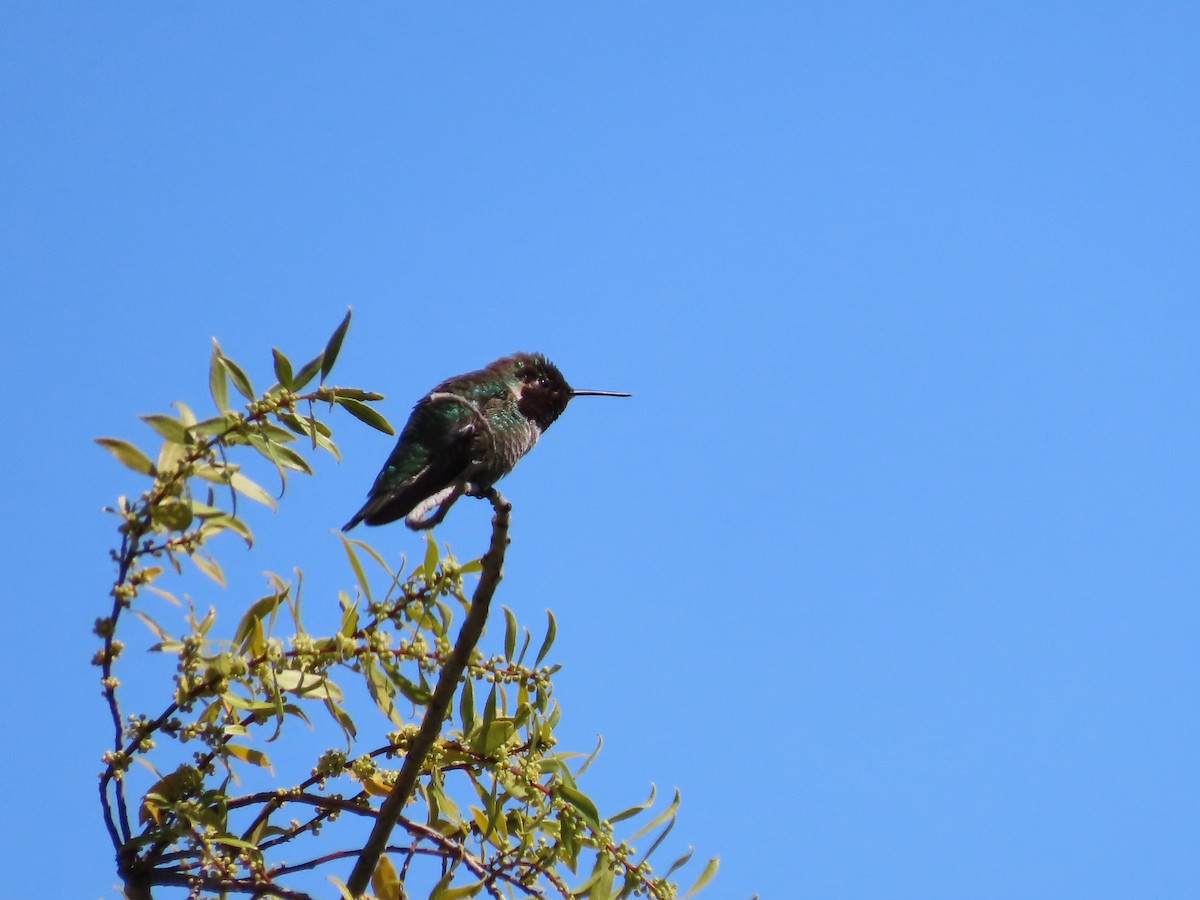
column 575, row 393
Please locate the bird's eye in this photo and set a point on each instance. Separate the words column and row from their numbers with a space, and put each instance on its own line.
column 543, row 381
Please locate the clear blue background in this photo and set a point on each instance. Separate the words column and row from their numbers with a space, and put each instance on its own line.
column 890, row 564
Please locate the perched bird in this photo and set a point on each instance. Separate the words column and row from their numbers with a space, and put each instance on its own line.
column 465, row 435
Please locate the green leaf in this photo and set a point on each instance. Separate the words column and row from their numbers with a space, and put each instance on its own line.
column 359, row 574
column 658, row 840
column 551, row 633
column 364, row 413
column 283, row 368
column 218, row 386
column 429, row 566
column 259, row 610
column 489, row 716
column 302, row 683
column 494, row 736
column 345, row 722
column 459, row 893
column 215, row 425
column 680, row 862
column 307, row 371
column 705, row 877
column 238, row 377
column 152, row 625
column 222, row 521
column 170, row 455
column 231, row 841
column 634, row 810
column 604, row 882
column 269, row 450
column 510, row 633
column 357, row 394
column 342, row 889
column 418, row 694
column 667, row 813
column 334, row 346
column 375, row 555
column 173, row 514
column 249, row 755
column 592, row 757
column 585, row 889
column 466, row 708
column 128, row 454
column 439, row 889
column 169, row 427
column 385, row 881
column 274, row 433
column 349, row 620
column 290, row 458
column 583, row 803
column 311, row 428
column 185, row 413
column 209, row 567
column 380, row 689
column 248, row 488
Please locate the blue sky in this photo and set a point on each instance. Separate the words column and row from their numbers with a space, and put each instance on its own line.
column 890, row 564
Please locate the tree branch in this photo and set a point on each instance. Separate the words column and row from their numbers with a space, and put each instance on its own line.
column 439, row 704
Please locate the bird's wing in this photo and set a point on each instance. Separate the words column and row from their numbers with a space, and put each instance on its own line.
column 433, row 452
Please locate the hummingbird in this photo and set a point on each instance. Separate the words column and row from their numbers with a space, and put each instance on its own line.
column 465, row 435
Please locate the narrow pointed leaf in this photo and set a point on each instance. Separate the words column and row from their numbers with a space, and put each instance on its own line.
column 238, row 377
column 417, row 693
column 291, row 459
column 334, row 346
column 185, row 413
column 283, row 368
column 360, row 575
column 253, row 490
column 680, row 862
column 375, row 555
column 152, row 625
column 225, row 521
column 357, row 394
column 381, row 691
column 462, row 892
column 667, row 813
column 128, row 454
column 510, row 633
column 551, row 633
column 218, row 385
column 658, row 840
column 168, row 426
column 591, row 757
column 466, row 708
column 215, row 425
column 364, row 413
column 259, row 610
column 385, row 881
column 583, row 803
column 705, row 877
column 429, row 566
column 209, row 567
column 170, row 455
column 307, row 372
column 634, row 810
column 248, row 754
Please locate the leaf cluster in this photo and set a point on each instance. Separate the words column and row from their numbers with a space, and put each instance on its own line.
column 498, row 810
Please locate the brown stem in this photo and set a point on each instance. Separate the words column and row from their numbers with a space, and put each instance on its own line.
column 439, row 705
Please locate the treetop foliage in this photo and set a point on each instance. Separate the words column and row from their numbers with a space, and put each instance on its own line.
column 455, row 765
